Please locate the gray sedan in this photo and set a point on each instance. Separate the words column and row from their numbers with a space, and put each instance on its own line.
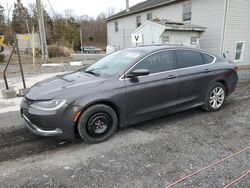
column 127, row 87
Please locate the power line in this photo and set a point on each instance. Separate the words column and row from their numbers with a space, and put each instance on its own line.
column 54, row 12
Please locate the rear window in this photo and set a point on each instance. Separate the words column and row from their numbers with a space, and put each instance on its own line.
column 189, row 58
column 208, row 58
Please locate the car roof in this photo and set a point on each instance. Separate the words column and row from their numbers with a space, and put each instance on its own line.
column 154, row 48
column 150, row 48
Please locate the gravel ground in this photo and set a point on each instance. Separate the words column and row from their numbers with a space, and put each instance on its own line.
column 150, row 154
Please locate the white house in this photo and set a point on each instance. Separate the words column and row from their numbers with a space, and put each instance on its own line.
column 166, row 32
column 227, row 23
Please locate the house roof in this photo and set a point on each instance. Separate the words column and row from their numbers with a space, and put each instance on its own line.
column 179, row 26
column 143, row 6
column 167, row 25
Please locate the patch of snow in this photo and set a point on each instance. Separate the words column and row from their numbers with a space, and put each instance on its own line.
column 76, row 63
column 9, row 105
column 52, row 65
column 66, row 168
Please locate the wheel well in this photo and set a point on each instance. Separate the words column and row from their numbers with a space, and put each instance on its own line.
column 110, row 104
column 224, row 83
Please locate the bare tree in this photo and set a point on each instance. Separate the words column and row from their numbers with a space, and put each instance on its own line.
column 110, row 11
column 9, row 8
column 32, row 9
column 68, row 14
column 84, row 18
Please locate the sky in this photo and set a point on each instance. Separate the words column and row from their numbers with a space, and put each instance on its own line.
column 81, row 7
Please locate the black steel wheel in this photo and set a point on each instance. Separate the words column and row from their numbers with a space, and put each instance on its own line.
column 97, row 124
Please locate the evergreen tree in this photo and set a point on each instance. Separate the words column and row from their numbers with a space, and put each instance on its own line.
column 19, row 17
column 67, row 34
column 2, row 23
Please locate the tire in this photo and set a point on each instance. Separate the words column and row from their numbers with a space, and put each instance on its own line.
column 215, row 98
column 97, row 124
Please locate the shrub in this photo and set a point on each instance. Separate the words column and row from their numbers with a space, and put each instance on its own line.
column 91, row 38
column 59, row 51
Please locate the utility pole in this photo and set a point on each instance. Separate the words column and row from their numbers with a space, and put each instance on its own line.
column 124, row 39
column 33, row 46
column 45, row 54
column 81, row 40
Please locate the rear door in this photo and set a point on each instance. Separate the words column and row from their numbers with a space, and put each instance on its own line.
column 157, row 91
column 195, row 75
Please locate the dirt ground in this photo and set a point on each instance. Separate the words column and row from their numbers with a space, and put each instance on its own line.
column 150, row 154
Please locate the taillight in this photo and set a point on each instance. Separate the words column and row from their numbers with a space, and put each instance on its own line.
column 236, row 68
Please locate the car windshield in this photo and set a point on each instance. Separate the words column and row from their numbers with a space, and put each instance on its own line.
column 113, row 63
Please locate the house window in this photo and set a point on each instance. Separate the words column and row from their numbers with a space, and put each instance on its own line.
column 194, row 40
column 116, row 26
column 150, row 16
column 138, row 21
column 165, row 39
column 187, row 11
column 239, row 51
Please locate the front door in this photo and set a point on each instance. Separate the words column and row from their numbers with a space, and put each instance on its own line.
column 156, row 92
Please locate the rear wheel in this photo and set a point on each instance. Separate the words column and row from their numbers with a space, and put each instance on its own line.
column 97, row 124
column 215, row 97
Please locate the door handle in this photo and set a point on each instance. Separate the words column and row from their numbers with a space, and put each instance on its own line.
column 207, row 70
column 171, row 77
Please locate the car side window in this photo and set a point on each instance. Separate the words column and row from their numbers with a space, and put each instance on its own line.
column 189, row 58
column 208, row 58
column 158, row 62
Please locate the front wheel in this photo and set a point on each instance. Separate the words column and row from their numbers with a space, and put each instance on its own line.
column 215, row 97
column 97, row 124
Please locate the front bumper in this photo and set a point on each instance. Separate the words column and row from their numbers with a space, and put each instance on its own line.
column 39, row 131
column 49, row 123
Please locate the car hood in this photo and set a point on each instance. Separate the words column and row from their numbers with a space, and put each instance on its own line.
column 63, row 86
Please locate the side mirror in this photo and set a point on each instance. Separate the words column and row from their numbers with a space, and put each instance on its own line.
column 138, row 72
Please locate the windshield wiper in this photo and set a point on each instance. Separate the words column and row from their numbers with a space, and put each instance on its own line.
column 92, row 72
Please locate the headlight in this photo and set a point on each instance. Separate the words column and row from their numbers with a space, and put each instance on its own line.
column 49, row 105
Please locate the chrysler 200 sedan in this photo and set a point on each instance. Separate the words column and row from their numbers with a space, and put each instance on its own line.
column 127, row 87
